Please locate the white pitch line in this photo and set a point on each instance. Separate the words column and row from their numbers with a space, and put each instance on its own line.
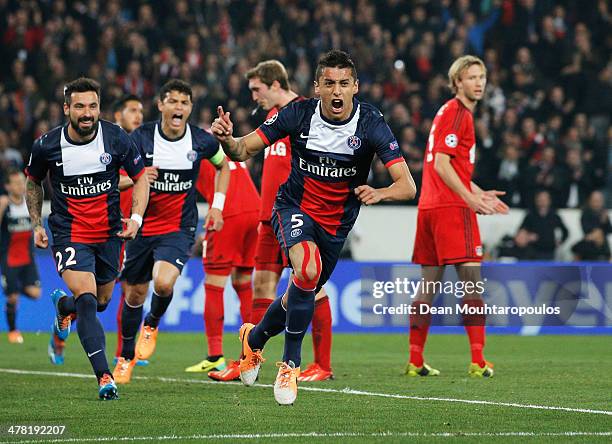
column 346, row 391
column 313, row 435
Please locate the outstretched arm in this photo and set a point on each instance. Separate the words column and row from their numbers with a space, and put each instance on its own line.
column 238, row 149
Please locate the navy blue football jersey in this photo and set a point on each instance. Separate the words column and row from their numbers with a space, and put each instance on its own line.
column 84, row 179
column 172, row 200
column 330, row 159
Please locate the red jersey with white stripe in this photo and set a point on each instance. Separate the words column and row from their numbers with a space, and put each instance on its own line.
column 85, row 179
column 452, row 133
column 242, row 196
column 16, row 243
column 276, row 169
column 330, row 159
column 172, row 203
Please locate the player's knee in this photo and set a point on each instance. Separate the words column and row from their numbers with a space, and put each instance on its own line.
column 12, row 299
column 263, row 288
column 308, row 274
column 163, row 287
column 135, row 295
column 32, row 292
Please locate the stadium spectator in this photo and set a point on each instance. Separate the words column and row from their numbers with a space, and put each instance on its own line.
column 596, row 227
column 549, row 76
column 541, row 232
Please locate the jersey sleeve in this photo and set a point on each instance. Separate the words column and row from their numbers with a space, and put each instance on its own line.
column 208, row 147
column 131, row 160
column 279, row 125
column 448, row 133
column 37, row 166
column 385, row 144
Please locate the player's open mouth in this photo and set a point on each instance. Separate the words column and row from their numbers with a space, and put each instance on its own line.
column 177, row 119
column 337, row 105
column 86, row 122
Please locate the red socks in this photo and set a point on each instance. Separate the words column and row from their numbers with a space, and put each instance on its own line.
column 245, row 294
column 259, row 309
column 322, row 333
column 419, row 327
column 213, row 319
column 475, row 329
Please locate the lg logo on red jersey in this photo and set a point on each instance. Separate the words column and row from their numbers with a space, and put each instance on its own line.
column 278, row 149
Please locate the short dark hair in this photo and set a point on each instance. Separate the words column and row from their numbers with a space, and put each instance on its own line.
column 10, row 173
column 335, row 59
column 268, row 71
column 121, row 103
column 82, row 84
column 175, row 85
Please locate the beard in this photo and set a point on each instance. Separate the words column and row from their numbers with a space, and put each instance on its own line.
column 74, row 123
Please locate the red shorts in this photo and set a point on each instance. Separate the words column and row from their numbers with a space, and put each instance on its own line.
column 447, row 235
column 233, row 246
column 269, row 255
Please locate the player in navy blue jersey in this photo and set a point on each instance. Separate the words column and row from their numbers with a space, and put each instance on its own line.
column 333, row 141
column 19, row 272
column 163, row 245
column 82, row 159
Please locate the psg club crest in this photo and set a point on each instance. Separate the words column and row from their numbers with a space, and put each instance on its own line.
column 105, row 158
column 353, row 142
column 192, row 155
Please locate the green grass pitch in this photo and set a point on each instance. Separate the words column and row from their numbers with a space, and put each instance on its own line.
column 572, row 372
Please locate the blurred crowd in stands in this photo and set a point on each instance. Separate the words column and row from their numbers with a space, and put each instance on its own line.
column 543, row 126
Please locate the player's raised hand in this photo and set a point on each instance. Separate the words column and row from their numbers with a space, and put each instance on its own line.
column 491, row 197
column 40, row 237
column 152, row 174
column 222, row 127
column 131, row 228
column 214, row 220
column 368, row 195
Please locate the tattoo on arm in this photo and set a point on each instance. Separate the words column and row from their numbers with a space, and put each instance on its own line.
column 237, row 151
column 34, row 200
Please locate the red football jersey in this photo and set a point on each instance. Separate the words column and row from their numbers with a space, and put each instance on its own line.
column 241, row 197
column 276, row 169
column 452, row 133
column 125, row 198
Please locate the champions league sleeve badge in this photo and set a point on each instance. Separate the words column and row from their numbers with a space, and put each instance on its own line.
column 192, row 155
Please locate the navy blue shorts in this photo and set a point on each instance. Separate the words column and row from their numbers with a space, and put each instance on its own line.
column 101, row 259
column 15, row 279
column 142, row 253
column 293, row 226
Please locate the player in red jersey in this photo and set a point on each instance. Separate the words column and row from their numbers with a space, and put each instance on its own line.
column 82, row 160
column 447, row 229
column 269, row 85
column 19, row 272
column 230, row 251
